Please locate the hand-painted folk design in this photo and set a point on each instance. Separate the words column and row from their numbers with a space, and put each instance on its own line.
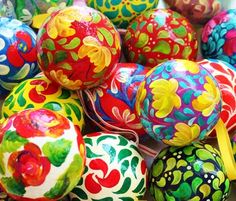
column 121, row 13
column 225, row 75
column 42, row 93
column 178, row 102
column 18, row 59
column 114, row 101
column 115, row 170
column 194, row 172
column 78, row 47
column 159, row 35
column 42, row 155
column 197, row 11
column 218, row 37
column 7, row 9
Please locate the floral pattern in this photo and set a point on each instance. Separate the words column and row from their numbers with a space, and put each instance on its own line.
column 31, row 159
column 115, row 170
column 119, row 93
column 39, row 93
column 194, row 172
column 218, row 37
column 159, row 35
column 81, row 52
column 121, row 12
column 18, row 60
column 161, row 110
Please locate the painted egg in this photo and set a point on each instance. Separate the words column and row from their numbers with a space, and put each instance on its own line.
column 18, row 60
column 178, row 102
column 42, row 155
column 114, row 101
column 194, row 172
column 78, row 47
column 226, row 78
column 42, row 93
column 121, row 13
column 114, row 170
column 197, row 11
column 219, row 37
column 159, row 35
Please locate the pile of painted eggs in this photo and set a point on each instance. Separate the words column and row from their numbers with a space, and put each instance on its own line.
column 83, row 102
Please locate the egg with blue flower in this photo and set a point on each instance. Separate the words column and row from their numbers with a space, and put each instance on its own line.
column 18, row 59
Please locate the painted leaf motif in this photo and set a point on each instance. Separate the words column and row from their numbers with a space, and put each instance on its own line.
column 80, row 193
column 183, row 192
column 57, row 151
column 205, row 190
column 204, row 155
column 142, row 40
column 60, row 56
column 208, row 167
column 75, row 109
column 74, row 56
column 75, row 42
column 7, row 85
column 2, row 167
column 22, row 73
column 48, row 44
column 170, row 164
column 62, row 41
column 177, row 177
column 162, row 47
column 110, row 151
column 134, row 164
column 64, row 94
column 102, row 138
column 139, row 186
column 91, row 154
column 196, row 183
column 217, row 195
column 107, row 35
column 13, row 186
column 158, row 194
column 65, row 66
column 55, row 106
column 125, row 186
column 21, row 100
column 4, row 70
column 180, row 31
column 124, row 167
column 187, row 175
column 124, row 153
column 157, row 169
column 12, row 141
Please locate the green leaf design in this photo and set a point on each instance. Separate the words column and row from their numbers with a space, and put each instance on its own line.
column 134, row 164
column 7, row 85
column 80, row 193
column 60, row 56
column 4, row 70
column 181, row 163
column 12, row 186
column 150, row 28
column 22, row 73
column 170, row 164
column 50, row 57
column 162, row 182
column 123, row 141
column 208, row 167
column 20, row 87
column 124, row 167
column 204, row 155
column 186, row 52
column 12, row 141
column 142, row 40
column 158, row 194
column 205, row 189
column 48, row 44
column 57, row 151
column 8, row 100
column 177, row 177
column 2, row 167
column 162, row 47
column 90, row 154
column 217, row 196
column 196, row 183
column 124, row 153
column 125, row 186
column 62, row 41
column 102, row 138
column 180, row 31
column 139, row 186
column 65, row 66
column 163, row 34
column 21, row 100
column 74, row 56
column 183, row 192
column 187, row 175
column 55, row 106
column 107, row 35
column 126, row 198
column 75, row 42
column 157, row 168
column 64, row 94
column 110, row 151
column 76, row 110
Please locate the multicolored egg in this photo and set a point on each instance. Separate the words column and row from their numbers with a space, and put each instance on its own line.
column 42, row 155
column 115, row 170
column 159, row 35
column 114, row 101
column 78, row 47
column 178, row 102
column 121, row 13
column 197, row 11
column 219, row 37
column 226, row 78
column 18, row 60
column 194, row 172
column 42, row 93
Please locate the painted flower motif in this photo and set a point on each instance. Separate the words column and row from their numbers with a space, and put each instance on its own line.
column 22, row 50
column 100, row 56
column 120, row 77
column 29, row 166
column 32, row 123
column 208, row 100
column 228, row 48
column 185, row 65
column 185, row 134
column 126, row 118
column 63, row 80
column 94, row 182
column 165, row 96
column 141, row 94
column 41, row 89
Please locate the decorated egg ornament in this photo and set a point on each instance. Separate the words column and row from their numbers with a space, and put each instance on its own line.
column 39, row 93
column 178, row 102
column 158, row 35
column 78, row 47
column 42, row 155
column 114, row 171
column 194, row 172
column 121, row 12
column 218, row 37
column 114, row 101
column 18, row 53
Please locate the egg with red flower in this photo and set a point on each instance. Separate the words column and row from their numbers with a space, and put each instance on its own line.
column 18, row 59
column 42, row 155
column 78, row 47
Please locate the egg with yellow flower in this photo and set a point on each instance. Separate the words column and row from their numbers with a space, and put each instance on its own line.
column 178, row 102
column 78, row 47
